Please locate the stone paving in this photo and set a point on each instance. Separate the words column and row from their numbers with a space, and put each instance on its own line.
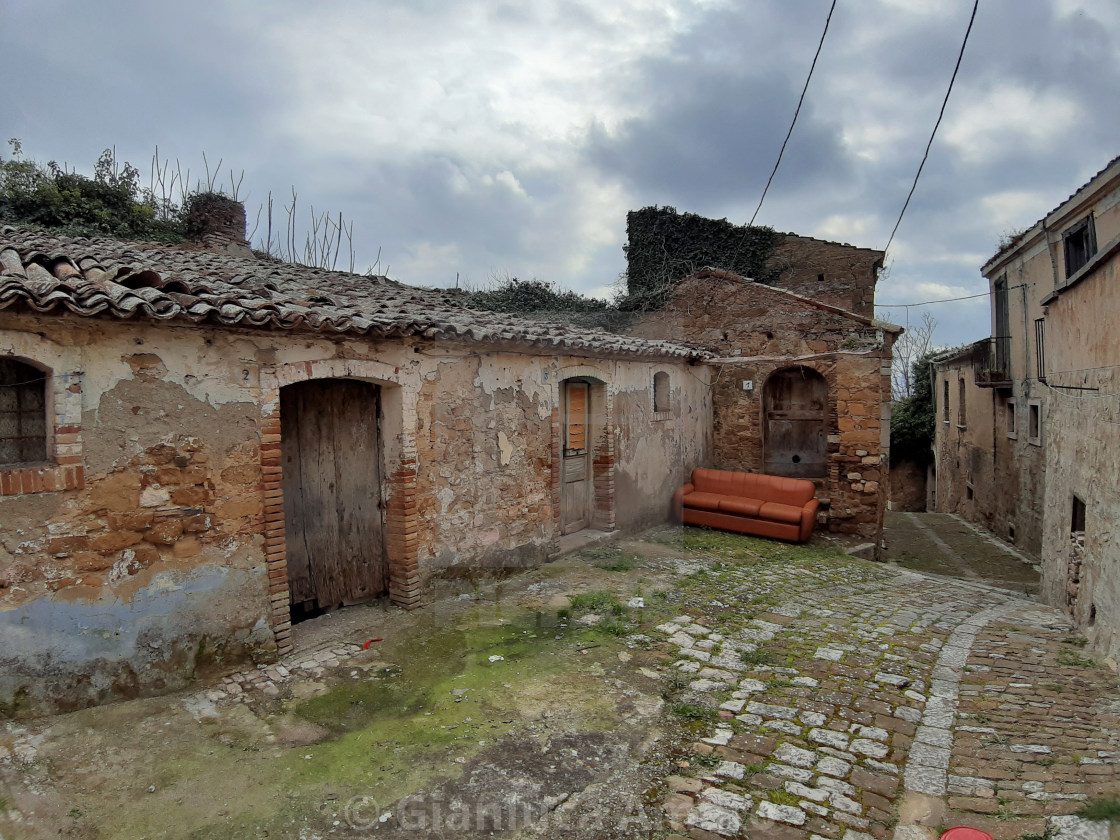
column 891, row 708
column 832, row 699
column 273, row 680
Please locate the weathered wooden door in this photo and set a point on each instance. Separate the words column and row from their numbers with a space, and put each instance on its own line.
column 795, row 404
column 575, row 472
column 332, row 493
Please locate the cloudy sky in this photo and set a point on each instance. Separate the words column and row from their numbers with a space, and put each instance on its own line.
column 492, row 137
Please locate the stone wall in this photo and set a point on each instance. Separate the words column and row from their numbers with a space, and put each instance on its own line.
column 164, row 554
column 853, row 494
column 760, row 330
column 831, row 272
column 908, row 487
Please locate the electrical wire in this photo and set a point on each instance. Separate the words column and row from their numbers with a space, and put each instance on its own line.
column 789, row 133
column 914, row 186
column 21, row 384
column 943, row 300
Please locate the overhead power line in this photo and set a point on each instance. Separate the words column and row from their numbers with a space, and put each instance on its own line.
column 812, row 67
column 944, row 300
column 918, row 174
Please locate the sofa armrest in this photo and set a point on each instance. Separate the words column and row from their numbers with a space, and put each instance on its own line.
column 809, row 518
column 678, row 501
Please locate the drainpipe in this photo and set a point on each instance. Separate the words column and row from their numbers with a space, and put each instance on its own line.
column 1050, row 252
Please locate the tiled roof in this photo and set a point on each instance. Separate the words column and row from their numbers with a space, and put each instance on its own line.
column 46, row 272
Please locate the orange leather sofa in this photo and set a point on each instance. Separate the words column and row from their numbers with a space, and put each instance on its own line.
column 748, row 503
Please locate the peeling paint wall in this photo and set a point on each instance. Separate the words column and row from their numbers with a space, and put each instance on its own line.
column 657, row 453
column 159, row 565
column 485, row 427
column 150, row 573
column 1081, row 570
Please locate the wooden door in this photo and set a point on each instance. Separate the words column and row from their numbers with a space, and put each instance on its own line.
column 332, row 493
column 575, row 472
column 795, row 404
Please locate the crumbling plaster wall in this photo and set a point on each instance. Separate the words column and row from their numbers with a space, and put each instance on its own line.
column 158, row 566
column 1081, row 572
column 150, row 572
column 760, row 330
column 486, row 425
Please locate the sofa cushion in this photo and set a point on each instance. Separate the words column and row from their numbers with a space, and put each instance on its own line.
column 740, row 506
column 703, row 501
column 777, row 512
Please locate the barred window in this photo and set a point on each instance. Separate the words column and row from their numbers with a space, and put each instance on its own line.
column 23, row 413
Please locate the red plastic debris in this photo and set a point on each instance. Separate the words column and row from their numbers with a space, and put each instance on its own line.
column 371, row 641
column 965, row 834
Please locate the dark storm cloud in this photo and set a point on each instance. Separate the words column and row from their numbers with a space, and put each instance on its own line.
column 715, row 112
column 515, row 136
column 708, row 137
column 101, row 74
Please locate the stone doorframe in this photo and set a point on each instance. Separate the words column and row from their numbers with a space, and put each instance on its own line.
column 398, row 407
column 604, row 450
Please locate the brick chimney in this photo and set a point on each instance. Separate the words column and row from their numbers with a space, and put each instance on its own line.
column 218, row 224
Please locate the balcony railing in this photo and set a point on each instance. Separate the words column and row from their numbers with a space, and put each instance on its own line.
column 991, row 362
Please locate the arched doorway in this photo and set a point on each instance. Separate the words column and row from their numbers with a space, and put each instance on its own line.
column 333, row 517
column 795, row 407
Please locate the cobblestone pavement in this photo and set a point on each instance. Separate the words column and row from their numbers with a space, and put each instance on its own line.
column 884, row 703
column 946, row 544
column 821, row 698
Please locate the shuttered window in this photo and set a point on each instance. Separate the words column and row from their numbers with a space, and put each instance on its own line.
column 23, row 413
column 1080, row 243
column 577, row 417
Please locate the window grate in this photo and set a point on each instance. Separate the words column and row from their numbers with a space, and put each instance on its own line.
column 23, row 421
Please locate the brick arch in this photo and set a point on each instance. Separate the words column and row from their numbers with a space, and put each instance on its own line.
column 399, row 393
column 802, row 428
column 605, row 450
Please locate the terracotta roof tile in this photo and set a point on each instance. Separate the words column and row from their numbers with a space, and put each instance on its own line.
column 46, row 272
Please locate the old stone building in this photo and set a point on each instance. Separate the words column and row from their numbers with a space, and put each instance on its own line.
column 801, row 382
column 1026, row 428
column 197, row 447
column 800, row 387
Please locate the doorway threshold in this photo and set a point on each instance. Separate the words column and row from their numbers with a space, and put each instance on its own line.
column 581, row 539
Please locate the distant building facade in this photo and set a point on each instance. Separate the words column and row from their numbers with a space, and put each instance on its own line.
column 1027, row 439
